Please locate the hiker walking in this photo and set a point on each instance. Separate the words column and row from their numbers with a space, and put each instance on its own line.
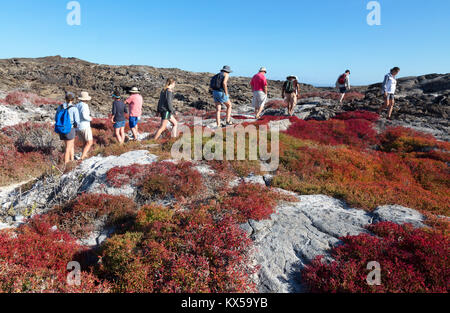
column 388, row 88
column 166, row 110
column 219, row 86
column 84, row 128
column 343, row 84
column 290, row 93
column 135, row 102
column 67, row 119
column 119, row 109
column 260, row 90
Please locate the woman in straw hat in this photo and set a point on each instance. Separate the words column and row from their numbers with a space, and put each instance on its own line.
column 84, row 128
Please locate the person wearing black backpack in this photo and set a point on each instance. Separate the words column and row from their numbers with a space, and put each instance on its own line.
column 343, row 84
column 68, row 116
column 219, row 87
column 290, row 93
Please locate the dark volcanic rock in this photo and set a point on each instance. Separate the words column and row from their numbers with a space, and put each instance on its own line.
column 51, row 76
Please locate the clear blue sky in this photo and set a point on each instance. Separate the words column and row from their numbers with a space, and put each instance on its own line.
column 314, row 39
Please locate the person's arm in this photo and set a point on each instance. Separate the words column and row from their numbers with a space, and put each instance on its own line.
column 113, row 112
column 76, row 116
column 225, row 84
column 266, row 89
column 283, row 90
column 347, row 81
column 384, row 85
column 169, row 97
column 86, row 113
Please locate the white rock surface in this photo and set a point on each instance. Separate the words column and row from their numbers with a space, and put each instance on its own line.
column 398, row 214
column 298, row 232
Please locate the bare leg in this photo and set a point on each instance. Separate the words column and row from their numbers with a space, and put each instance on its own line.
column 86, row 149
column 122, row 134
column 342, row 98
column 229, row 108
column 391, row 108
column 219, row 112
column 69, row 154
column 118, row 135
column 161, row 129
column 135, row 133
column 175, row 127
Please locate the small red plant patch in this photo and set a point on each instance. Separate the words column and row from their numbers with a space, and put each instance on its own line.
column 19, row 98
column 179, row 180
column 34, row 259
column 411, row 261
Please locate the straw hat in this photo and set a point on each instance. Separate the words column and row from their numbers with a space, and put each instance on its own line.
column 134, row 90
column 84, row 96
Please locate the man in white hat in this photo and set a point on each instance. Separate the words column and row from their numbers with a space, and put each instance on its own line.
column 260, row 89
column 84, row 128
column 135, row 102
column 290, row 93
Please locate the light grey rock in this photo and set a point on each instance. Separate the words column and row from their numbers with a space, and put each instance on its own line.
column 398, row 214
column 281, row 125
column 88, row 177
column 255, row 179
column 299, row 232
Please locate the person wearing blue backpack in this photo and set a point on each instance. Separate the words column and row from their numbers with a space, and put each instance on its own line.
column 67, row 119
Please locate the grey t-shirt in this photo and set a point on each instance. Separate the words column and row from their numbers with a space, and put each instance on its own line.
column 119, row 109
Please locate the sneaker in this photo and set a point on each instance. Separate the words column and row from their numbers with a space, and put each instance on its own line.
column 78, row 156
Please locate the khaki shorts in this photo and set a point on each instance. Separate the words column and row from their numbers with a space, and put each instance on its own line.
column 291, row 99
column 259, row 99
column 85, row 134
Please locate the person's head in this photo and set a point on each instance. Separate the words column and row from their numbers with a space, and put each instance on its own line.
column 292, row 78
column 395, row 70
column 116, row 95
column 226, row 70
column 263, row 70
column 70, row 97
column 134, row 90
column 347, row 72
column 170, row 84
column 84, row 96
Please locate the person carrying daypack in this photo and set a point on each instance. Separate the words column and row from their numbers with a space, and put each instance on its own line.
column 290, row 93
column 343, row 84
column 67, row 119
column 84, row 128
column 166, row 110
column 219, row 87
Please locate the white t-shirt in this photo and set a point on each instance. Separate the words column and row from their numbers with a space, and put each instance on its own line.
column 389, row 84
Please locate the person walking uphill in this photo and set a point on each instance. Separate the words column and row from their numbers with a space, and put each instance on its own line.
column 135, row 102
column 219, row 86
column 260, row 90
column 290, row 92
column 388, row 88
column 165, row 108
column 84, row 128
column 119, row 109
column 343, row 84
column 67, row 120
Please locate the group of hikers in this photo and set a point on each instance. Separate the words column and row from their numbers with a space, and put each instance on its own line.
column 74, row 120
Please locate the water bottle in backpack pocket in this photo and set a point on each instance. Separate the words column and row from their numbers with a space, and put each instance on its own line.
column 63, row 125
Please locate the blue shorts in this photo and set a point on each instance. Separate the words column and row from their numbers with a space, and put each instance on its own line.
column 220, row 97
column 118, row 125
column 134, row 121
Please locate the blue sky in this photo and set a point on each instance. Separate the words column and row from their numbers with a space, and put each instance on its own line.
column 316, row 40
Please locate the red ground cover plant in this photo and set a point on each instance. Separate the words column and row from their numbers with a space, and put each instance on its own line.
column 353, row 132
column 178, row 252
column 78, row 217
column 364, row 178
column 34, row 258
column 160, row 179
column 358, row 115
column 19, row 98
column 27, row 151
column 252, row 201
column 411, row 260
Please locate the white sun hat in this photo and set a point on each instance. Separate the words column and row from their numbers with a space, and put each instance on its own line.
column 134, row 90
column 84, row 96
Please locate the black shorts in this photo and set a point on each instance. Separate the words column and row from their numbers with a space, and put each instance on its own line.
column 343, row 89
column 166, row 115
column 69, row 136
